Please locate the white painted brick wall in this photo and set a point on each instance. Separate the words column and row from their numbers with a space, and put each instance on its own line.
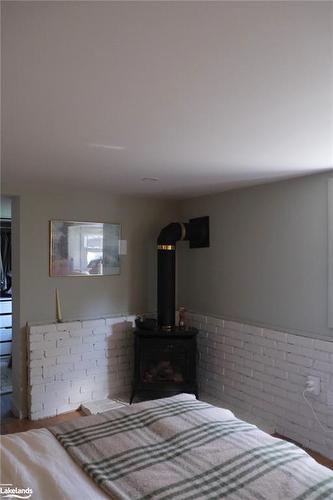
column 260, row 374
column 70, row 363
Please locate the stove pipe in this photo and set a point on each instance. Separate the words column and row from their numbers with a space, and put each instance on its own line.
column 166, row 270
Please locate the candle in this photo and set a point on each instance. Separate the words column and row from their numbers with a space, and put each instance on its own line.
column 58, row 307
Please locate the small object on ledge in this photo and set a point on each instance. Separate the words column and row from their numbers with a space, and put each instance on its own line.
column 58, row 307
column 182, row 318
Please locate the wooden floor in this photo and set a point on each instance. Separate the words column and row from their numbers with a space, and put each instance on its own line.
column 317, row 456
column 10, row 424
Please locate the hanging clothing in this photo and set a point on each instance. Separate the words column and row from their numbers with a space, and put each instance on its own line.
column 5, row 259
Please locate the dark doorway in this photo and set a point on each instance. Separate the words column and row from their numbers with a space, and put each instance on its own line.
column 5, row 306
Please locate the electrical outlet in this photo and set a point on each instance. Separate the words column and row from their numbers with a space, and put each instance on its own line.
column 313, row 385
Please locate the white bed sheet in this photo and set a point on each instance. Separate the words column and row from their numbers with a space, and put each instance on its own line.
column 50, row 472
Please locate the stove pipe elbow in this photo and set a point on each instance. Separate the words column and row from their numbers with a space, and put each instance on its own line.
column 172, row 233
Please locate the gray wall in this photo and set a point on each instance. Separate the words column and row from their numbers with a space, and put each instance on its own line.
column 267, row 262
column 131, row 291
column 81, row 297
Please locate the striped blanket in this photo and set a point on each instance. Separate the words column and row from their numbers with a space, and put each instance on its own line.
column 181, row 448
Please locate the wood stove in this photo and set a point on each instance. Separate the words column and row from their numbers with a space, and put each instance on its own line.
column 165, row 363
column 165, row 356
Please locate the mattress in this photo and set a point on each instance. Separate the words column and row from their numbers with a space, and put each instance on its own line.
column 34, row 459
column 174, row 448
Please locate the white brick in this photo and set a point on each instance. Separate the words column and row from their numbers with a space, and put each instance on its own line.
column 85, row 364
column 99, row 394
column 248, row 381
column 275, row 353
column 69, row 326
column 87, row 389
column 131, row 320
column 299, row 360
column 200, row 318
column 100, row 344
column 276, row 372
column 322, row 366
column 94, row 323
column 81, row 348
column 104, row 330
column 93, row 355
column 68, row 342
column 295, row 349
column 78, row 398
column 103, row 362
column 36, row 379
column 36, row 363
column 58, row 351
column 36, row 407
column 88, row 339
column 234, row 342
column 265, row 342
column 254, row 330
column 57, row 386
column 323, row 345
column 115, row 320
column 237, row 352
column 262, row 359
column 298, row 380
column 299, row 340
column 65, row 408
column 78, row 375
column 33, row 330
column 50, row 336
column 70, row 358
column 324, row 376
column 36, row 371
column 287, row 366
column 242, row 365
column 37, row 389
column 48, row 345
column 232, row 325
column 36, row 415
column 51, row 371
column 36, row 346
column 32, row 339
column 257, row 349
column 273, row 375
column 80, row 333
column 275, row 335
column 37, row 354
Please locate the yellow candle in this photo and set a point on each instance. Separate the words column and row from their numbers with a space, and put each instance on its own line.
column 58, row 307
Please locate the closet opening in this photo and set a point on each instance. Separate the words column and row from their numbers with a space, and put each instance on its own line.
column 6, row 387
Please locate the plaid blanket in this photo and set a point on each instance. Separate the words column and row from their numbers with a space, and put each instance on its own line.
column 181, row 448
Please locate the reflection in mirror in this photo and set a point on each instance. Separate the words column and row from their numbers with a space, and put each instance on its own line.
column 84, row 248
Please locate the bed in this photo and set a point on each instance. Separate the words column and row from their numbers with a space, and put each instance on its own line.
column 171, row 448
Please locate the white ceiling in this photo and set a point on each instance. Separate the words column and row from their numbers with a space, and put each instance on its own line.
column 203, row 95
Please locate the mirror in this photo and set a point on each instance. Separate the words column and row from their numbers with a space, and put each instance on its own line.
column 84, row 248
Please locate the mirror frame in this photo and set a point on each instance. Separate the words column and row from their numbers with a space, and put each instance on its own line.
column 52, row 274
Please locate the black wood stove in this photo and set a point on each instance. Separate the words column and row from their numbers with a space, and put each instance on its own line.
column 165, row 363
column 165, row 356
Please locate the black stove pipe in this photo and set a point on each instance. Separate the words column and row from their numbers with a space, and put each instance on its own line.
column 166, row 271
